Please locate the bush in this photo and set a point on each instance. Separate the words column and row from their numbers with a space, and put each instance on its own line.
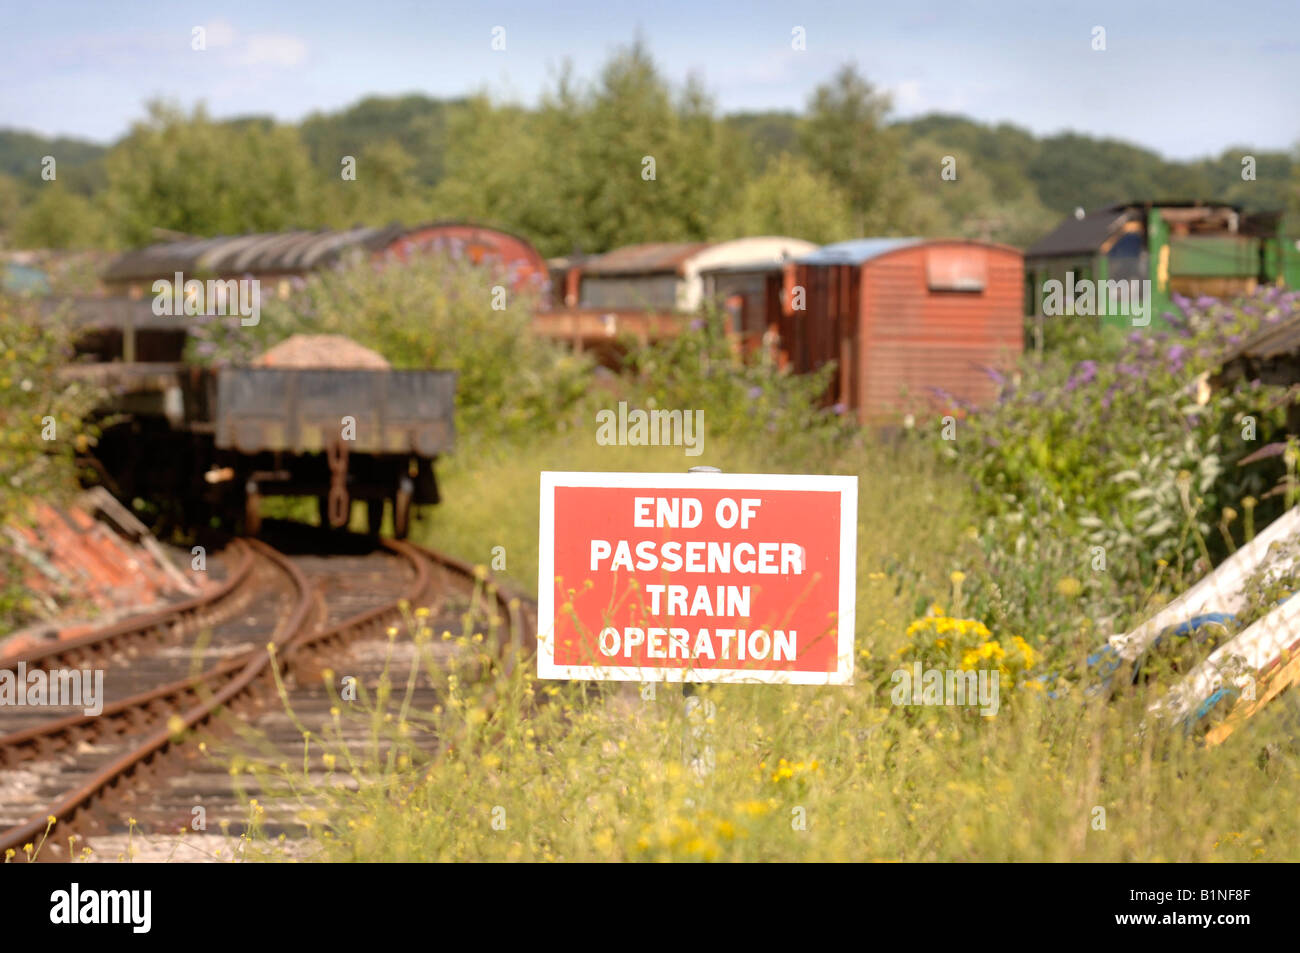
column 1103, row 483
column 431, row 311
column 746, row 399
column 41, row 430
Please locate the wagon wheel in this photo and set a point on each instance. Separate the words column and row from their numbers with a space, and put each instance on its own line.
column 374, row 516
column 402, row 508
column 253, row 513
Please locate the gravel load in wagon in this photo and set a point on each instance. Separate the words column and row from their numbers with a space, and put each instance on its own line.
column 322, row 351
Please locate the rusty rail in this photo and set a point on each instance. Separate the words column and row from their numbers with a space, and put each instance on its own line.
column 250, row 667
column 226, row 683
column 158, row 624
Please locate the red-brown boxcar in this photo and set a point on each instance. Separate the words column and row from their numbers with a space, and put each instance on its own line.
column 515, row 257
column 913, row 325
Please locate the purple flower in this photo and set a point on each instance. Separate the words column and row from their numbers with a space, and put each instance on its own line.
column 755, row 392
column 995, row 375
column 1084, row 373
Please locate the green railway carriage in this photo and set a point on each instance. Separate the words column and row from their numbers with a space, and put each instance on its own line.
column 1187, row 248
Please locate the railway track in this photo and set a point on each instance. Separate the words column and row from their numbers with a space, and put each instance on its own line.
column 156, row 637
column 156, row 754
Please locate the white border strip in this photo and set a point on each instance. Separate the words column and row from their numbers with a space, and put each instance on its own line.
column 846, row 486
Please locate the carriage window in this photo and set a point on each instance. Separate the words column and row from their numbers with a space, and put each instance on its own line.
column 955, row 269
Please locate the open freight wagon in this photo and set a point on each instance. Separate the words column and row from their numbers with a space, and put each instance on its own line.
column 194, row 444
column 338, row 435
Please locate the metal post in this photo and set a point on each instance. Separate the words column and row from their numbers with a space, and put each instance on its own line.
column 698, row 757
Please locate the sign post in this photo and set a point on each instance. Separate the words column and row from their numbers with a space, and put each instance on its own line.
column 697, row 577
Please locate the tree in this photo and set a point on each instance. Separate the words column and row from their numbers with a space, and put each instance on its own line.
column 627, row 159
column 188, row 174
column 59, row 218
column 789, row 198
column 845, row 137
column 385, row 189
column 11, row 200
column 491, row 167
column 417, row 123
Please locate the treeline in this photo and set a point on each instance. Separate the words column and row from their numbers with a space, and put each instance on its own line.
column 627, row 157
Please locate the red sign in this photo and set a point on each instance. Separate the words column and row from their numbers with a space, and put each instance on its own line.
column 699, row 577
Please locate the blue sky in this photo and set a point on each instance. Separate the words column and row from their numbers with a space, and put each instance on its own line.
column 1185, row 78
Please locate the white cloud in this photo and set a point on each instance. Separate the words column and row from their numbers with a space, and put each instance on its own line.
column 907, row 95
column 219, row 33
column 274, row 49
column 914, row 96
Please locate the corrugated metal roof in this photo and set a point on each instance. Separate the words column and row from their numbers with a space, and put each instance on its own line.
column 1081, row 236
column 855, row 251
column 87, row 313
column 240, row 254
column 1279, row 340
column 650, row 258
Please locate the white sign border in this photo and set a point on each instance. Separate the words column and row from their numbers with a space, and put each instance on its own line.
column 846, row 486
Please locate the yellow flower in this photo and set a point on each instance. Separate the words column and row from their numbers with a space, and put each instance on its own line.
column 1069, row 587
column 957, row 578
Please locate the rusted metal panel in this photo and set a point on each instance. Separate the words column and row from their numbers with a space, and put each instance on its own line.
column 890, row 315
column 585, row 327
column 300, row 252
column 928, row 349
column 234, row 255
column 650, row 258
column 515, row 258
column 303, row 411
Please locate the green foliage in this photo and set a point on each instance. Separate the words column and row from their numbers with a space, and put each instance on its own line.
column 767, row 136
column 191, row 175
column 1133, row 457
column 526, row 769
column 434, row 312
column 488, row 175
column 61, row 219
column 975, row 204
column 386, row 188
column 41, row 428
column 575, row 174
column 844, row 135
column 745, row 399
column 80, row 164
column 11, row 202
column 789, row 198
column 415, row 123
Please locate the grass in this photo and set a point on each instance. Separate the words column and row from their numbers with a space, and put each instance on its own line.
column 534, row 770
